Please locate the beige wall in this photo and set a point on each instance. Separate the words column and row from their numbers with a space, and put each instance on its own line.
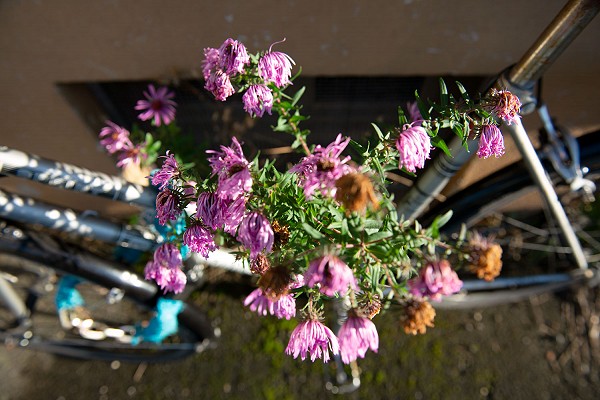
column 47, row 42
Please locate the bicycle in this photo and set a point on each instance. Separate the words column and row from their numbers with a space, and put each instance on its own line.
column 432, row 183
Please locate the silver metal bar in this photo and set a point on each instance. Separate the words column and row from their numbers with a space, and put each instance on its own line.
column 11, row 300
column 569, row 22
column 539, row 176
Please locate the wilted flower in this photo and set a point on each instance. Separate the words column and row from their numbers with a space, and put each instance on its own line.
column 257, row 100
column 167, row 206
column 276, row 282
column 368, row 306
column 355, row 191
column 283, row 307
column 130, row 156
column 210, row 62
column 168, row 171
column 281, row 234
column 199, row 239
column 491, row 142
column 356, row 336
column 322, row 169
column 276, row 67
column 259, row 264
column 312, row 338
column 504, row 104
column 334, row 276
column 219, row 84
column 414, row 147
column 435, row 280
column 233, row 170
column 255, row 233
column 486, row 257
column 114, row 138
column 157, row 106
column 418, row 315
column 233, row 57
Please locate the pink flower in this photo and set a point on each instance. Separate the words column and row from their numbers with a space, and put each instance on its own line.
column 414, row 147
column 257, row 100
column 435, row 280
column 284, row 307
column 233, row 170
column 217, row 213
column 334, row 276
column 168, row 254
column 276, row 67
column 130, row 156
column 199, row 240
column 165, row 269
column 210, row 62
column 255, row 233
column 233, row 57
column 312, row 338
column 157, row 106
column 414, row 115
column 168, row 171
column 491, row 142
column 219, row 84
column 167, row 206
column 114, row 138
column 356, row 336
column 321, row 169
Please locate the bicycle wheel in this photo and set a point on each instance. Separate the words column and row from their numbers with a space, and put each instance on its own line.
column 72, row 316
column 507, row 206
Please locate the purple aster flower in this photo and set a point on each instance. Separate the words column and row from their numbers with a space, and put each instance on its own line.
column 435, row 280
column 219, row 84
column 276, row 67
column 312, row 338
column 168, row 171
column 233, row 170
column 284, row 307
column 130, row 156
column 199, row 240
column 321, row 169
column 491, row 142
column 217, row 213
column 114, row 138
column 414, row 147
column 255, row 233
column 168, row 254
column 334, row 276
column 233, row 57
column 158, row 106
column 207, row 210
column 167, row 206
column 210, row 62
column 257, row 100
column 356, row 336
column 414, row 115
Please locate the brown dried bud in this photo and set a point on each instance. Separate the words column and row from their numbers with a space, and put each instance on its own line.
column 486, row 257
column 260, row 264
column 275, row 282
column 368, row 307
column 418, row 315
column 281, row 234
column 354, row 191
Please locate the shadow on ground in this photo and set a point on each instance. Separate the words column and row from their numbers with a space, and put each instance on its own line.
column 546, row 348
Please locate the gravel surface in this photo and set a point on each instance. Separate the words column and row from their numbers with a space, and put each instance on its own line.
column 545, row 348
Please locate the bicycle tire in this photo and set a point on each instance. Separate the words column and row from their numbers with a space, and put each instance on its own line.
column 491, row 196
column 45, row 333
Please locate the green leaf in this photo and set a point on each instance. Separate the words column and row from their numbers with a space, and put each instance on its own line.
column 312, row 231
column 298, row 95
column 378, row 132
column 438, row 142
column 423, row 109
column 443, row 93
column 463, row 92
column 378, row 236
column 402, row 117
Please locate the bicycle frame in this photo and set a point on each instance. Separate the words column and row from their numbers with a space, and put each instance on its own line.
column 520, row 79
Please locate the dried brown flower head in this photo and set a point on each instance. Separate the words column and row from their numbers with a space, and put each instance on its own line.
column 486, row 257
column 260, row 264
column 368, row 306
column 355, row 191
column 275, row 282
column 418, row 315
column 281, row 234
column 504, row 104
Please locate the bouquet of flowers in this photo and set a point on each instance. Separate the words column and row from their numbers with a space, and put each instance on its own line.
column 327, row 227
